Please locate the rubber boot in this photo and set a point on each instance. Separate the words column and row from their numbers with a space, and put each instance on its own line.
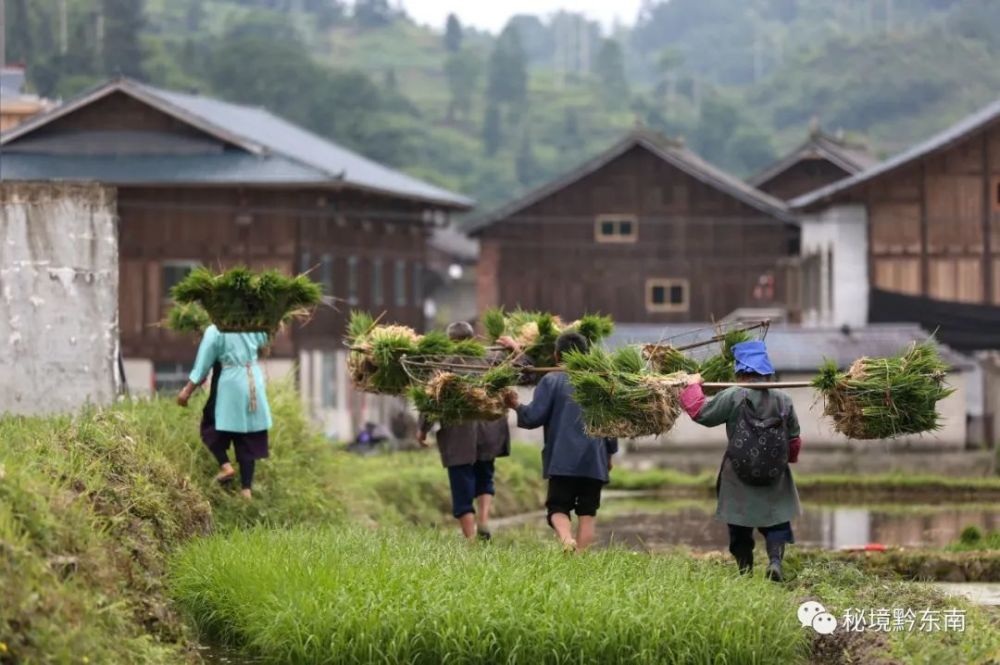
column 775, row 553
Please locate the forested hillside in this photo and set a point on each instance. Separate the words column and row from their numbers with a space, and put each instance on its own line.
column 491, row 115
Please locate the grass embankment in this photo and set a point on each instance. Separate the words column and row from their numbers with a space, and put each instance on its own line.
column 92, row 506
column 830, row 487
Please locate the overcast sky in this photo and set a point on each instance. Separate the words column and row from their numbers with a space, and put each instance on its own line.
column 492, row 15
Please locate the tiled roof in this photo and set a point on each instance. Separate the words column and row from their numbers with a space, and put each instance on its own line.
column 277, row 150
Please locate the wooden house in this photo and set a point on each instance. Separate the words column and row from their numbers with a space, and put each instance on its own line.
column 646, row 231
column 202, row 181
column 915, row 238
column 818, row 161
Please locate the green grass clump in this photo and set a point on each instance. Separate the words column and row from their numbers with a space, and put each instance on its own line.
column 879, row 398
column 536, row 332
column 393, row 596
column 619, row 397
column 377, row 351
column 973, row 539
column 450, row 398
column 240, row 300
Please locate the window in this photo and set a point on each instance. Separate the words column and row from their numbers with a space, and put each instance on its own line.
column 328, row 379
column 616, row 228
column 418, row 283
column 352, row 280
column 304, row 261
column 326, row 274
column 377, row 291
column 666, row 295
column 400, row 283
column 172, row 273
column 170, row 377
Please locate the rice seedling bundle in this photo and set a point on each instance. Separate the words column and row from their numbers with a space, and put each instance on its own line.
column 450, row 398
column 536, row 332
column 240, row 300
column 188, row 318
column 375, row 363
column 620, row 397
column 665, row 359
column 880, row 398
column 721, row 367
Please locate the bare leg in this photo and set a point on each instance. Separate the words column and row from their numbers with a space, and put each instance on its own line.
column 564, row 529
column 468, row 524
column 485, row 503
column 585, row 531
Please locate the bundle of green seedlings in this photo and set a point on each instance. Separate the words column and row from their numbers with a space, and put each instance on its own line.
column 665, row 359
column 240, row 300
column 880, row 398
column 536, row 332
column 187, row 318
column 450, row 397
column 620, row 396
column 375, row 363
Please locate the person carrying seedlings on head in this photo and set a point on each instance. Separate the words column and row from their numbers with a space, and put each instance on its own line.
column 576, row 465
column 468, row 451
column 754, row 486
column 242, row 415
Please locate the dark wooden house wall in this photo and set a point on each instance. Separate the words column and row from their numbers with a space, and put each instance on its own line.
column 804, row 176
column 290, row 230
column 934, row 225
column 546, row 256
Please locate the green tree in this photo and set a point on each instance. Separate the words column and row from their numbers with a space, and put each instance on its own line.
column 123, row 23
column 453, row 34
column 508, row 75
column 610, row 70
column 462, row 71
column 525, row 163
column 373, row 13
column 492, row 130
column 749, row 149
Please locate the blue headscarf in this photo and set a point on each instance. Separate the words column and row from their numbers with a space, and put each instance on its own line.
column 751, row 358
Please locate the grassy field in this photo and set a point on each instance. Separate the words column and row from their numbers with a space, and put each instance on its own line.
column 348, row 595
column 92, row 507
column 351, row 596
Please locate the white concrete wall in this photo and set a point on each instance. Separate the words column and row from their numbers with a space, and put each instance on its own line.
column 844, row 230
column 139, row 376
column 59, row 304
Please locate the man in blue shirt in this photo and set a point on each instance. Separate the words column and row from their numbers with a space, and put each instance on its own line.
column 576, row 465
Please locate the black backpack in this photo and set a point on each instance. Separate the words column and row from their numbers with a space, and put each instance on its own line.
column 758, row 449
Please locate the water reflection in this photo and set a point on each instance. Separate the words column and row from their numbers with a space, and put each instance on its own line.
column 650, row 524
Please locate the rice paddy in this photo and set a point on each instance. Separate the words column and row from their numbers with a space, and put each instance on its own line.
column 354, row 596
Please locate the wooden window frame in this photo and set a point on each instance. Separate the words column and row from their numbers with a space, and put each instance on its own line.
column 190, row 264
column 617, row 219
column 667, row 283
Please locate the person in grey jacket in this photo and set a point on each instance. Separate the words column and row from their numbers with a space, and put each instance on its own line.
column 577, row 466
column 468, row 451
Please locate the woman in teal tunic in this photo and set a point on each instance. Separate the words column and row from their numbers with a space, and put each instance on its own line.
column 242, row 414
column 742, row 506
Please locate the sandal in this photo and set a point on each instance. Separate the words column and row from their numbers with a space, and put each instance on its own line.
column 225, row 478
